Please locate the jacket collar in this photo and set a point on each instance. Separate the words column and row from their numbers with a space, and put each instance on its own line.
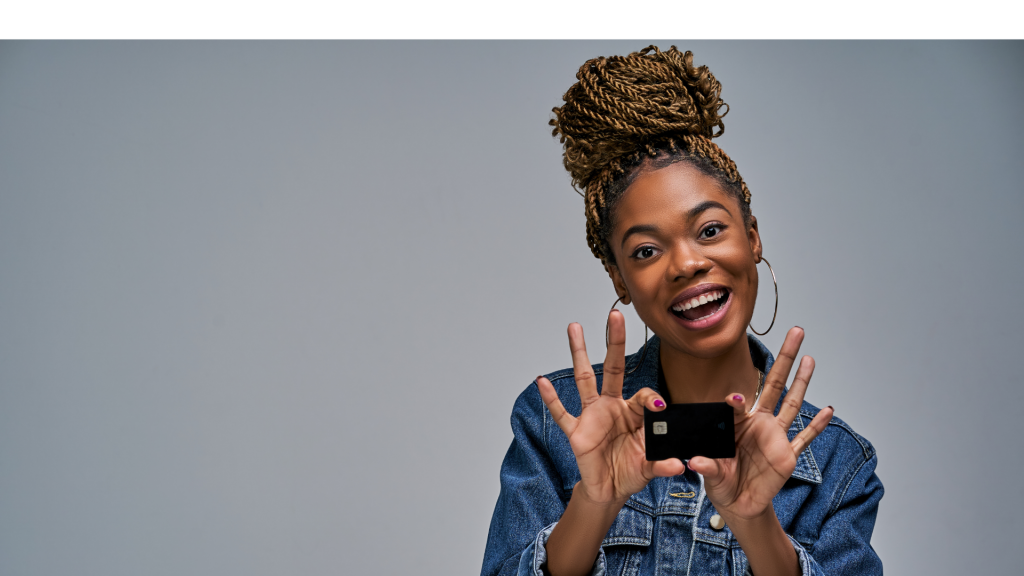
column 646, row 376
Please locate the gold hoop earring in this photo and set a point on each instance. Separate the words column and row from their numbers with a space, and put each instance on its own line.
column 774, row 281
column 607, row 337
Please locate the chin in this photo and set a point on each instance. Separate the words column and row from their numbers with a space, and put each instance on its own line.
column 710, row 345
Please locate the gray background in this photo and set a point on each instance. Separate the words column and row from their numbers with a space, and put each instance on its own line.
column 265, row 307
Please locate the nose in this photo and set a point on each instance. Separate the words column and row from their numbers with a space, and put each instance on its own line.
column 686, row 262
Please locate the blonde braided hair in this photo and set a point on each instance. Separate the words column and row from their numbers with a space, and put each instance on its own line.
column 649, row 108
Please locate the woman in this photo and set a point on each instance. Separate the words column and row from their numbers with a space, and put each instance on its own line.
column 669, row 217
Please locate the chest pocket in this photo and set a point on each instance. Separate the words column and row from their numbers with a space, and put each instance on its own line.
column 631, row 527
column 627, row 541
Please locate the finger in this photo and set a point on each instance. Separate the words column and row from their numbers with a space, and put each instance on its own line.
column 739, row 406
column 646, row 398
column 817, row 426
column 795, row 397
column 615, row 358
column 560, row 415
column 586, row 382
column 663, row 468
column 710, row 469
column 775, row 382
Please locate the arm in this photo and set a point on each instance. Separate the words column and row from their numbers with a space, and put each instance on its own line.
column 531, row 496
column 769, row 550
column 844, row 542
column 576, row 539
column 742, row 488
column 607, row 439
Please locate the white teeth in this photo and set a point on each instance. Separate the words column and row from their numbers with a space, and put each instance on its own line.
column 699, row 301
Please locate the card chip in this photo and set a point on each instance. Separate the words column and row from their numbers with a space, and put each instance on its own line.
column 661, row 427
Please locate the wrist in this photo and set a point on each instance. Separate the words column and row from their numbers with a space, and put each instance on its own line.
column 766, row 519
column 764, row 541
column 587, row 498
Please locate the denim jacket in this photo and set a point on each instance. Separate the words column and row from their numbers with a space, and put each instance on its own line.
column 827, row 507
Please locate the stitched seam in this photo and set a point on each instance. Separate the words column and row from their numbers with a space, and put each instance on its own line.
column 693, row 531
column 869, row 450
column 619, row 540
column 544, row 422
column 835, row 505
column 639, row 507
column 570, row 374
column 810, row 456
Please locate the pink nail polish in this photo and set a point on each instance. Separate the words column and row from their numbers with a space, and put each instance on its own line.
column 659, row 404
column 737, row 397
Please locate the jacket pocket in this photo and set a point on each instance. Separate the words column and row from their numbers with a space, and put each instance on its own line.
column 631, row 527
column 627, row 542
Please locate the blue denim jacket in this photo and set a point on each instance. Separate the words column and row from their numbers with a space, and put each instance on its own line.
column 827, row 507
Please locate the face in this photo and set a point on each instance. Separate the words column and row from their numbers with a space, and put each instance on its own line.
column 686, row 260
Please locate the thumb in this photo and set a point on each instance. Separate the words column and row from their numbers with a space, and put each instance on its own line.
column 710, row 469
column 663, row 468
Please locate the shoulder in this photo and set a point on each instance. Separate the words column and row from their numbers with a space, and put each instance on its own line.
column 839, row 436
column 529, row 409
column 839, row 453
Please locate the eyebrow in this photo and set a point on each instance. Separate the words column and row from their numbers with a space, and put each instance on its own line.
column 690, row 215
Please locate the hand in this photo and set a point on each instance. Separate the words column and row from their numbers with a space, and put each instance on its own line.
column 608, row 436
column 742, row 488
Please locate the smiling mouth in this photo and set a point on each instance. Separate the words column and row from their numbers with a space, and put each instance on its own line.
column 702, row 306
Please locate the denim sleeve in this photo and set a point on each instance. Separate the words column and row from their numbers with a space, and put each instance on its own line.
column 536, row 555
column 844, row 544
column 531, row 499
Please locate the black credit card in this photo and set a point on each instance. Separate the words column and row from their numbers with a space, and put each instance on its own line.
column 687, row 430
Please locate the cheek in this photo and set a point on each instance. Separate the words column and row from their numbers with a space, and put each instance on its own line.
column 742, row 268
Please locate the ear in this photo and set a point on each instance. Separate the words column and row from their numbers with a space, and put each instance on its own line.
column 754, row 237
column 618, row 282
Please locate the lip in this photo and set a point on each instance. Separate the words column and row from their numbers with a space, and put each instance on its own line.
column 709, row 321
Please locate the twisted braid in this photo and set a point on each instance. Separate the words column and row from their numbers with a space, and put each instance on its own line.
column 623, row 111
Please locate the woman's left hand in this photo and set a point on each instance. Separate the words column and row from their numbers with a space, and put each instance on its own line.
column 742, row 488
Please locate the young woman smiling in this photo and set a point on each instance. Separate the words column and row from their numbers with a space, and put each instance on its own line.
column 669, row 217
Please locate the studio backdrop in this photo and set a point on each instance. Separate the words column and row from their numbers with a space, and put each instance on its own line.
column 265, row 307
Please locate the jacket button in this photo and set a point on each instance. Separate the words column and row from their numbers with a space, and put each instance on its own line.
column 717, row 522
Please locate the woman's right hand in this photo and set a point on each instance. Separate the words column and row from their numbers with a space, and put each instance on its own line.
column 608, row 436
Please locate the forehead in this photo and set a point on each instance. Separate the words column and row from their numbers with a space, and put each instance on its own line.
column 668, row 194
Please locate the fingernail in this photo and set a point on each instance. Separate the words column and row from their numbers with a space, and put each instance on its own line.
column 831, row 408
column 737, row 397
column 538, row 378
column 659, row 404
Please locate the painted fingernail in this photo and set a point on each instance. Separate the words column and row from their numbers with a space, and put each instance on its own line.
column 831, row 408
column 538, row 378
column 737, row 397
column 659, row 404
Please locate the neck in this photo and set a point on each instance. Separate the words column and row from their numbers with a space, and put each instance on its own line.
column 691, row 379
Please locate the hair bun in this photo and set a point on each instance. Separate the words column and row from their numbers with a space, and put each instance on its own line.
column 625, row 102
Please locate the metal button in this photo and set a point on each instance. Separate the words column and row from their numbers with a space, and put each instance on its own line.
column 717, row 522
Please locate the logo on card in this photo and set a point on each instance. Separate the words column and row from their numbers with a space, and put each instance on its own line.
column 661, row 427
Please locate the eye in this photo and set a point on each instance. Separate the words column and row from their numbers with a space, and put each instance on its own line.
column 711, row 231
column 644, row 252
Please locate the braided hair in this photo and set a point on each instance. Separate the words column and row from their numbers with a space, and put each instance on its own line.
column 630, row 114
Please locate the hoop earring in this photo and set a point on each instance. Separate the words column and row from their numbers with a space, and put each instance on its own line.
column 607, row 337
column 776, row 302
